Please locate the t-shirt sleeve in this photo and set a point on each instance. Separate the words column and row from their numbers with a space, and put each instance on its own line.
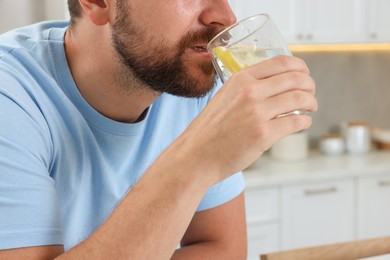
column 223, row 192
column 29, row 210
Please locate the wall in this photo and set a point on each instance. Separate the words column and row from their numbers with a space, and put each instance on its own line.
column 350, row 86
column 17, row 13
column 55, row 9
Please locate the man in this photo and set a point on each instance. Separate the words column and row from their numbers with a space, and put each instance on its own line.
column 114, row 143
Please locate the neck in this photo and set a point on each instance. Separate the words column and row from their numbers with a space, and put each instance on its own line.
column 101, row 79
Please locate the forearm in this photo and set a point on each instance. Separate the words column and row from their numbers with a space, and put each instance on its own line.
column 212, row 250
column 218, row 233
column 151, row 220
column 202, row 250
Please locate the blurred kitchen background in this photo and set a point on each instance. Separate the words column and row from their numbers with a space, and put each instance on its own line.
column 15, row 13
column 318, row 198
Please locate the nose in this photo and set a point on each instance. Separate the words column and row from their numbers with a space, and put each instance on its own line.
column 218, row 13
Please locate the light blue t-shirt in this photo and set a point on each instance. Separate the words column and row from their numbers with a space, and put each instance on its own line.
column 63, row 166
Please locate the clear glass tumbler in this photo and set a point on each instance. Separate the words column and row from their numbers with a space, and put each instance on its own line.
column 245, row 43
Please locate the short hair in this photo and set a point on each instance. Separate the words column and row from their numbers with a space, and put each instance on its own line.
column 75, row 10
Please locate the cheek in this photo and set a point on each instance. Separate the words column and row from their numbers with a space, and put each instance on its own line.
column 169, row 21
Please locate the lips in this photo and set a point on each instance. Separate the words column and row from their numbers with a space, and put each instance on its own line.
column 200, row 51
column 199, row 48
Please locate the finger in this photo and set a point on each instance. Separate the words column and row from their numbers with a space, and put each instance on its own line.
column 277, row 65
column 290, row 101
column 288, row 125
column 286, row 82
column 277, row 129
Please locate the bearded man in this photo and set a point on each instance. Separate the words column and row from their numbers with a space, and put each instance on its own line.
column 117, row 142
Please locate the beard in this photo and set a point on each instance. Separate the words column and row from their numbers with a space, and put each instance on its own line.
column 155, row 64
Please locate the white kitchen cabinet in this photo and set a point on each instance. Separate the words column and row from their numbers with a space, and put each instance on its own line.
column 262, row 205
column 318, row 200
column 329, row 21
column 378, row 21
column 262, row 213
column 262, row 239
column 283, row 12
column 373, row 206
column 323, row 21
column 317, row 213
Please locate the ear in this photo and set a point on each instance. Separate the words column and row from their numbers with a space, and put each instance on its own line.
column 96, row 10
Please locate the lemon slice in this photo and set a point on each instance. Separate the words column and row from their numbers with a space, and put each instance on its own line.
column 227, row 59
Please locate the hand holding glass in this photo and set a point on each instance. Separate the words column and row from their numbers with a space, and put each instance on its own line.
column 246, row 43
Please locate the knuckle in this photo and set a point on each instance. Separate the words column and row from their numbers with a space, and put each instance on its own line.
column 311, row 103
column 257, row 116
column 297, row 97
column 301, row 64
column 247, row 93
column 296, row 78
column 293, row 63
column 260, row 133
column 284, row 61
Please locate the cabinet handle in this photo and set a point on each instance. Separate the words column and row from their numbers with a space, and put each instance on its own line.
column 384, row 183
column 320, row 191
column 300, row 36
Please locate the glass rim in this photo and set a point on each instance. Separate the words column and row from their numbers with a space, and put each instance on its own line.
column 267, row 17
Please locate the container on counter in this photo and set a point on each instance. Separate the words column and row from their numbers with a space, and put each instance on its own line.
column 292, row 147
column 357, row 137
column 332, row 144
column 381, row 138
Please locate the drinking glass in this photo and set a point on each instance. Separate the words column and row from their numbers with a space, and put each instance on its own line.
column 249, row 41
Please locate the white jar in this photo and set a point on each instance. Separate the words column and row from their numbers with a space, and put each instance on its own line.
column 358, row 138
column 292, row 147
column 332, row 144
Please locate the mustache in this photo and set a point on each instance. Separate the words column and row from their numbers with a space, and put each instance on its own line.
column 204, row 35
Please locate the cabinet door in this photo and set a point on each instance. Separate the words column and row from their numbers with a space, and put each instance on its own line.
column 373, row 206
column 262, row 239
column 262, row 213
column 378, row 21
column 333, row 21
column 282, row 13
column 262, row 205
column 317, row 214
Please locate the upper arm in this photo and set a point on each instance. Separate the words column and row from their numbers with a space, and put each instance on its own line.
column 32, row 253
column 29, row 210
column 223, row 226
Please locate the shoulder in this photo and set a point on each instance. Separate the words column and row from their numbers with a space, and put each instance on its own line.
column 27, row 83
column 31, row 45
column 28, row 36
column 26, row 60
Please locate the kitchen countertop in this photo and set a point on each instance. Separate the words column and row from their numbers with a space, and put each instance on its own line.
column 267, row 171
